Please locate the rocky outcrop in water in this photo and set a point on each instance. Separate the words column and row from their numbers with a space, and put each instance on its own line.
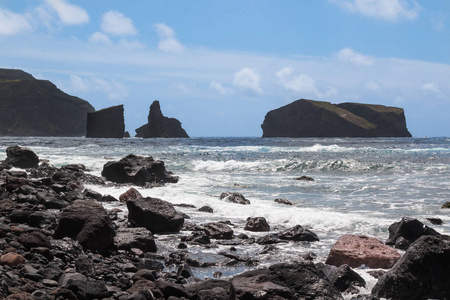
column 160, row 126
column 106, row 123
column 309, row 118
column 31, row 107
column 402, row 234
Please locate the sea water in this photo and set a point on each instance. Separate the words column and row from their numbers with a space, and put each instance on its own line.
column 361, row 186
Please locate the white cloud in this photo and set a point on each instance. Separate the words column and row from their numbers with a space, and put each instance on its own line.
column 218, row 87
column 373, row 86
column 348, row 54
column 391, row 10
column 248, row 80
column 114, row 90
column 78, row 84
column 12, row 23
column 115, row 23
column 168, row 41
column 303, row 84
column 68, row 13
column 100, row 38
column 432, row 87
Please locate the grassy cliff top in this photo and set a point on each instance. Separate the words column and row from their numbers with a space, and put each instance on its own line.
column 14, row 75
column 378, row 108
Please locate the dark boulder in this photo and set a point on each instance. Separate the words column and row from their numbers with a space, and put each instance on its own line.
column 138, row 170
column 297, row 234
column 32, row 107
column 19, row 157
column 233, row 197
column 404, row 233
column 106, row 123
column 218, row 230
column 343, row 277
column 258, row 224
column 132, row 193
column 34, row 239
column 284, row 281
column 283, row 201
column 138, row 237
column 156, row 215
column 209, row 290
column 160, row 126
column 309, row 118
column 421, row 273
column 88, row 223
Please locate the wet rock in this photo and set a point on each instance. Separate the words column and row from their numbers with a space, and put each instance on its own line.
column 446, row 205
column 108, row 198
column 283, row 201
column 217, row 230
column 12, row 259
column 284, row 281
column 137, row 170
column 421, row 273
column 138, row 237
column 356, row 250
column 206, row 209
column 92, row 194
column 298, row 233
column 304, row 178
column 132, row 193
column 258, row 224
column 404, row 233
column 34, row 239
column 51, row 200
column 156, row 215
column 89, row 223
column 435, row 221
column 20, row 157
column 342, row 277
column 171, row 289
column 233, row 197
column 210, row 289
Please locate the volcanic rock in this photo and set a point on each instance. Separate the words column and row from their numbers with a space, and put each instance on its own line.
column 234, row 198
column 421, row 273
column 138, row 170
column 309, row 118
column 258, row 224
column 356, row 250
column 106, row 123
column 138, row 237
column 31, row 107
column 342, row 277
column 297, row 234
column 404, row 233
column 132, row 193
column 218, row 230
column 12, row 259
column 19, row 157
column 156, row 215
column 160, row 126
column 89, row 223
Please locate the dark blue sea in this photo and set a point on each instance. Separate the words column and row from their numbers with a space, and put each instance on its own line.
column 360, row 186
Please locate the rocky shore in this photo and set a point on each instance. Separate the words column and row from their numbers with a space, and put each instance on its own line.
column 57, row 241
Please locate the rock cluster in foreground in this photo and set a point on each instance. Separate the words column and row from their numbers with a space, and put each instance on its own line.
column 309, row 118
column 160, row 126
column 58, row 242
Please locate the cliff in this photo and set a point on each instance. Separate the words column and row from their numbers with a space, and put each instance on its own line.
column 31, row 107
column 106, row 123
column 160, row 126
column 309, row 118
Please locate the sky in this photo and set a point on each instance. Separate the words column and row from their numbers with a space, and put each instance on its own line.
column 219, row 66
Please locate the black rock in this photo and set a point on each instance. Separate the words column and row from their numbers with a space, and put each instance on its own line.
column 298, row 233
column 138, row 170
column 421, row 273
column 234, row 198
column 258, row 224
column 218, row 230
column 139, row 237
column 155, row 214
column 106, row 123
column 20, row 157
column 342, row 277
column 206, row 209
column 402, row 234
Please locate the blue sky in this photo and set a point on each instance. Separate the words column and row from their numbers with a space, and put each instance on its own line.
column 220, row 66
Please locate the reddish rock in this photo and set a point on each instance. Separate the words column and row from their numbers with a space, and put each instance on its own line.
column 356, row 250
column 132, row 193
column 12, row 259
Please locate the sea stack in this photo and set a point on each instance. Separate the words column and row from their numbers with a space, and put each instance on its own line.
column 31, row 107
column 160, row 126
column 309, row 118
column 106, row 123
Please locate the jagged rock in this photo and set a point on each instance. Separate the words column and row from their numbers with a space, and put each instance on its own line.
column 342, row 277
column 106, row 123
column 138, row 237
column 283, row 201
column 19, row 157
column 258, row 224
column 421, row 273
column 234, row 198
column 304, row 178
column 217, row 230
column 138, row 170
column 357, row 250
column 284, row 281
column 88, row 223
column 156, row 215
column 31, row 107
column 309, row 118
column 402, row 234
column 297, row 234
column 160, row 126
column 132, row 193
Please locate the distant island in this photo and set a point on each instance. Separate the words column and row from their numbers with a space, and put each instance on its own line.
column 310, row 118
column 32, row 107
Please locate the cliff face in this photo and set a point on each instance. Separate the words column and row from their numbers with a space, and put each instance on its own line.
column 31, row 107
column 106, row 123
column 160, row 126
column 308, row 118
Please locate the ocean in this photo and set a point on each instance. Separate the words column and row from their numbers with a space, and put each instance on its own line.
column 361, row 185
